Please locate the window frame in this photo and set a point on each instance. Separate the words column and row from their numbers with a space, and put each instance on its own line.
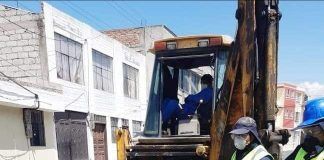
column 126, row 80
column 136, row 128
column 113, row 127
column 125, row 122
column 186, row 87
column 109, row 70
column 66, row 54
column 297, row 117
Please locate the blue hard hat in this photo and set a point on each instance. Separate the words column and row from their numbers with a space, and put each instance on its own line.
column 313, row 114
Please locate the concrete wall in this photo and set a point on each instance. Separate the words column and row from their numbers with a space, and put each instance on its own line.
column 21, row 47
column 84, row 97
column 99, row 102
column 18, row 46
column 21, row 58
column 15, row 145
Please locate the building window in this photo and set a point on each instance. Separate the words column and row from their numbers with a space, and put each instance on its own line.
column 184, row 80
column 292, row 95
column 297, row 117
column 195, row 79
column 287, row 93
column 136, row 128
column 69, row 63
column 102, row 72
column 130, row 81
column 189, row 81
column 298, row 97
column 38, row 131
column 289, row 113
column 114, row 127
column 125, row 122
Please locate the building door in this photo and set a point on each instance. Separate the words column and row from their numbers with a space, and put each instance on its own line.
column 71, row 135
column 99, row 142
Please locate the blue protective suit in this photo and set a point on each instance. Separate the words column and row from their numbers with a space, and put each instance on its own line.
column 171, row 107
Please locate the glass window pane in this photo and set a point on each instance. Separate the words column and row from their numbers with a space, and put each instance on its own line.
column 114, row 126
column 57, row 42
column 73, row 69
column 59, row 65
column 194, row 83
column 103, row 65
column 130, row 81
column 68, row 63
column 71, row 46
column 125, row 122
column 64, row 45
column 99, row 78
column 126, row 93
column 78, row 51
column 65, row 68
column 105, row 82
column 152, row 123
column 185, row 80
column 105, row 62
column 136, row 128
column 95, row 83
column 222, row 60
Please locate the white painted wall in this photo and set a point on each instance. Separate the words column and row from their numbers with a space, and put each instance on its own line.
column 84, row 97
column 13, row 142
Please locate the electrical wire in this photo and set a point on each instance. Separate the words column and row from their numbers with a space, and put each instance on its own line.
column 43, row 36
column 73, row 101
column 121, row 13
column 36, row 95
column 127, row 12
column 32, row 75
column 29, row 31
column 136, row 12
column 32, row 32
column 80, row 13
column 91, row 15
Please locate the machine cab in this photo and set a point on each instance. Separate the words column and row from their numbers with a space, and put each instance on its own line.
column 178, row 103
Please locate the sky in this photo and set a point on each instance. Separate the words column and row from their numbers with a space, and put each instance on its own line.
column 301, row 36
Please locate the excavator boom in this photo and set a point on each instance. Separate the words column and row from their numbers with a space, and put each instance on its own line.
column 248, row 89
column 251, row 78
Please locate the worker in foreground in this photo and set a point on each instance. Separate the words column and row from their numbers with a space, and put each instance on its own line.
column 313, row 127
column 247, row 142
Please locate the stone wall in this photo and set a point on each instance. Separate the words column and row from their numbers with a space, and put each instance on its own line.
column 21, row 48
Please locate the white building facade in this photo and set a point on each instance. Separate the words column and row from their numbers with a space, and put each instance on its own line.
column 88, row 85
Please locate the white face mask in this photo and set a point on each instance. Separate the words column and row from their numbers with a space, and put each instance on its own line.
column 239, row 142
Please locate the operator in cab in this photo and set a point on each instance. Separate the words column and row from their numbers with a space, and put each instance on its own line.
column 247, row 142
column 313, row 126
column 172, row 109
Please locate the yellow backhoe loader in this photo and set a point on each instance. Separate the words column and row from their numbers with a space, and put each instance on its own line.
column 244, row 72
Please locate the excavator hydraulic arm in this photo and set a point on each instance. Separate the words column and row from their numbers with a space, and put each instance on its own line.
column 250, row 81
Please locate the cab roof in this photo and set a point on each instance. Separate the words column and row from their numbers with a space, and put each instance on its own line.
column 226, row 40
